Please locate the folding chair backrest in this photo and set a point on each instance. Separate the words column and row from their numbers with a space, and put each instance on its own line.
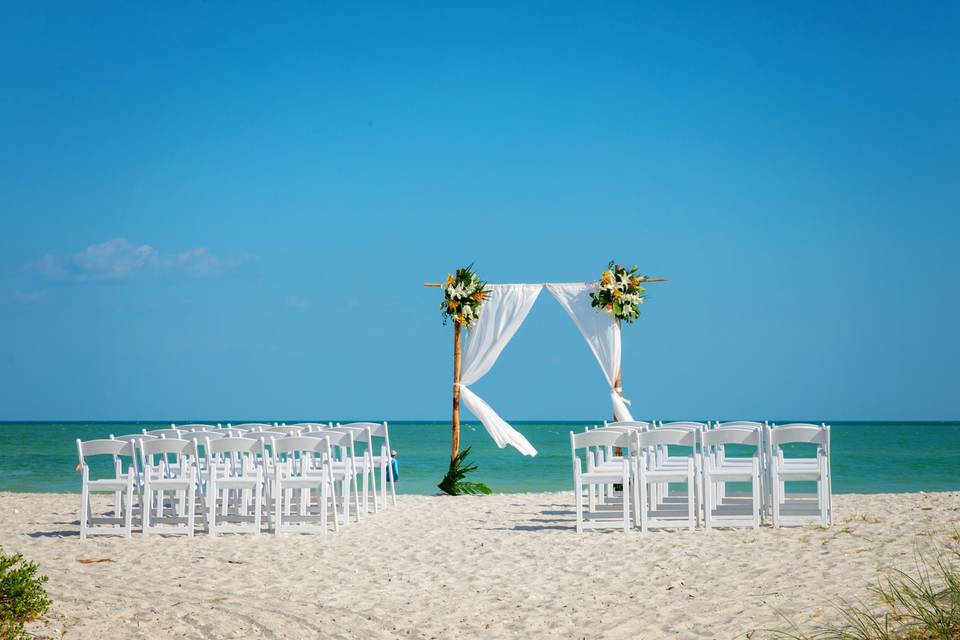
column 200, row 436
column 683, row 425
column 166, row 446
column 800, row 432
column 232, row 445
column 296, row 444
column 632, row 425
column 749, row 436
column 738, row 423
column 194, row 427
column 602, row 438
column 112, row 447
column 312, row 426
column 250, row 426
column 360, row 433
column 172, row 434
column 135, row 438
column 668, row 436
column 342, row 439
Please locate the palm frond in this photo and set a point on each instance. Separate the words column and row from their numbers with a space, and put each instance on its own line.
column 455, row 483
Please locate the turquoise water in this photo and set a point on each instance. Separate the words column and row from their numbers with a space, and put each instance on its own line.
column 866, row 457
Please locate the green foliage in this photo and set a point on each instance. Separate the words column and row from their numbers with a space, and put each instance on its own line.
column 22, row 596
column 463, row 293
column 454, row 483
column 619, row 292
column 923, row 605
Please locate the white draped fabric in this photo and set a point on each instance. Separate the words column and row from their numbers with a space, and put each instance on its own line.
column 502, row 313
column 600, row 330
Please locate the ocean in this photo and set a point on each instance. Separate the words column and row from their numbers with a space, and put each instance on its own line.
column 866, row 457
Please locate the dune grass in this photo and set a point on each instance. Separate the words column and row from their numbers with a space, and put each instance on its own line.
column 923, row 604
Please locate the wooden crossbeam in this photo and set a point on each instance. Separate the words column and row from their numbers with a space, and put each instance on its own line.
column 439, row 284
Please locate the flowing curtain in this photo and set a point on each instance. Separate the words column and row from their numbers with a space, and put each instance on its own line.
column 602, row 333
column 502, row 313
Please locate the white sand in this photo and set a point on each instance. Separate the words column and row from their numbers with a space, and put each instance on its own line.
column 489, row 567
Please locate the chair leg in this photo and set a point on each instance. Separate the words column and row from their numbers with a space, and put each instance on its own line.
column 626, row 503
column 147, row 509
column 708, row 496
column 775, row 486
column 191, row 506
column 258, row 508
column 642, row 506
column 755, row 493
column 128, row 510
column 578, row 499
column 84, row 508
column 691, row 500
column 332, row 491
column 278, row 494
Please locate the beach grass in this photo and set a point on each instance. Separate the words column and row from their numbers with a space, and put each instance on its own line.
column 920, row 604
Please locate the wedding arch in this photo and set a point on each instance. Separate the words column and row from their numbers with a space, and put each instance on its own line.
column 596, row 309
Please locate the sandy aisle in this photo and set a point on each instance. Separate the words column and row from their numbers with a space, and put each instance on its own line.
column 490, row 567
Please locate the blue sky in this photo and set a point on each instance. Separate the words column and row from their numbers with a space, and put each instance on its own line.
column 220, row 211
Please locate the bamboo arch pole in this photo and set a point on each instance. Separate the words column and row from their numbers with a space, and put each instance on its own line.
column 455, row 438
column 455, row 426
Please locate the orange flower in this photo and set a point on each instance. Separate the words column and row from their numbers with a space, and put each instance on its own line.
column 605, row 278
column 453, row 305
column 460, row 319
column 450, row 279
column 617, row 293
column 478, row 296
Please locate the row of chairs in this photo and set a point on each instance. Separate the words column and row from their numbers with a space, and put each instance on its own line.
column 633, row 469
column 301, row 477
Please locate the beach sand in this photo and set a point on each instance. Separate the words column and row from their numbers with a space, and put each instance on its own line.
column 502, row 566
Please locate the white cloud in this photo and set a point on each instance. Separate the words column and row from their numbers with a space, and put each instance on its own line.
column 118, row 259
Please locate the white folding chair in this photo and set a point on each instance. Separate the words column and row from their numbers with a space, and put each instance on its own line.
column 199, row 459
column 652, row 509
column 134, row 440
column 664, row 461
column 120, row 485
column 797, row 510
column 608, row 457
column 594, row 477
column 718, row 470
column 364, row 463
column 383, row 460
column 234, row 484
column 343, row 468
column 167, row 468
column 302, row 472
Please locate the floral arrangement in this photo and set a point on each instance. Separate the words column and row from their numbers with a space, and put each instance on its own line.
column 464, row 292
column 619, row 292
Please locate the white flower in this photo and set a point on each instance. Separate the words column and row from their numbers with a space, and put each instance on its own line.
column 624, row 280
